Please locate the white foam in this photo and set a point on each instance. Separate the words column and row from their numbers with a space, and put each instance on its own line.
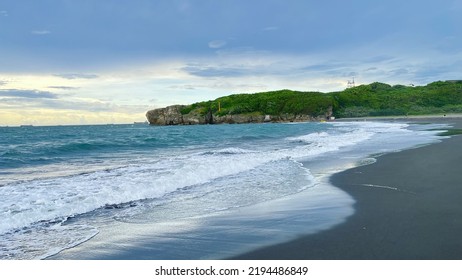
column 28, row 202
column 24, row 203
column 229, row 151
column 222, row 178
column 35, row 243
column 266, row 182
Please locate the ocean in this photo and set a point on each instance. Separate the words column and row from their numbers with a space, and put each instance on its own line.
column 181, row 189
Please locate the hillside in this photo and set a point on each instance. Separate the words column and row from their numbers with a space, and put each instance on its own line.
column 376, row 99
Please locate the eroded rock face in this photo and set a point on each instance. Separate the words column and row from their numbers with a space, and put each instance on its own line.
column 172, row 115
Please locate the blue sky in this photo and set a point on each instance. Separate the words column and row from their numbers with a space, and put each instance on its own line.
column 108, row 61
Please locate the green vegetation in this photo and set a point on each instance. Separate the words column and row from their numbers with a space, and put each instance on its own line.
column 274, row 103
column 376, row 99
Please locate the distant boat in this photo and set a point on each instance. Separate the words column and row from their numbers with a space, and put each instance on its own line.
column 145, row 122
column 26, row 125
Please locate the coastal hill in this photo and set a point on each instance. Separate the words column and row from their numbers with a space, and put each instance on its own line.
column 376, row 99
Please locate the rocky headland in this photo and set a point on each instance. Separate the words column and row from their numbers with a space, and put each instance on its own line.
column 172, row 115
column 373, row 100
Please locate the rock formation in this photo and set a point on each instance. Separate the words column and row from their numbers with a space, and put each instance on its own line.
column 172, row 115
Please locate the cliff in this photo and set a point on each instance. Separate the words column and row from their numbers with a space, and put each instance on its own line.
column 174, row 115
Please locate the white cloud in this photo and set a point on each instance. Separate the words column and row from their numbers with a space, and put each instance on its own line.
column 73, row 76
column 216, row 44
column 63, row 87
column 40, row 32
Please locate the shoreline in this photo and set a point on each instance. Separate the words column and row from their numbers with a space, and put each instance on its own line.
column 407, row 207
column 439, row 117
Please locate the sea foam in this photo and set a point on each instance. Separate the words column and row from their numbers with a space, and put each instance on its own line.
column 186, row 172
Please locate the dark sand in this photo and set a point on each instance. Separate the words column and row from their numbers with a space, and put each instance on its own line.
column 408, row 206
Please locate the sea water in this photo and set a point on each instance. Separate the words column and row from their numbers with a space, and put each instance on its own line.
column 60, row 186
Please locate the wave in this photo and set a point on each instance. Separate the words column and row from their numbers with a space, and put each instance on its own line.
column 47, row 199
column 177, row 188
column 24, row 203
column 311, row 138
column 254, row 137
column 228, row 151
column 39, row 245
column 82, row 146
column 199, row 179
column 272, row 180
column 44, row 152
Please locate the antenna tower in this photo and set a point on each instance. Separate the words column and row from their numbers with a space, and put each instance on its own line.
column 351, row 83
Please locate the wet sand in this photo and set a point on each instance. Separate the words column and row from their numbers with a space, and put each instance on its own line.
column 408, row 206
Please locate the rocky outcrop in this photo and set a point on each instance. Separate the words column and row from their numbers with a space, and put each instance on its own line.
column 165, row 116
column 172, row 115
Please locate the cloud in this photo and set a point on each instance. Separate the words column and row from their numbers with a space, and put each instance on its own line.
column 63, row 87
column 185, row 86
column 27, row 94
column 216, row 44
column 271, row 28
column 215, row 71
column 332, row 69
column 2, row 83
column 40, row 32
column 327, row 66
column 378, row 59
column 80, row 105
column 235, row 65
column 430, row 72
column 399, row 71
column 73, row 76
column 29, row 100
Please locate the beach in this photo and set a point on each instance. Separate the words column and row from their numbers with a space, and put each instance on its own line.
column 408, row 206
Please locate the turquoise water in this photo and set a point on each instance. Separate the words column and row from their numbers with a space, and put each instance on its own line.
column 59, row 185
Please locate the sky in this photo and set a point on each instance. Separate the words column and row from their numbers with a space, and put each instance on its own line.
column 109, row 61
